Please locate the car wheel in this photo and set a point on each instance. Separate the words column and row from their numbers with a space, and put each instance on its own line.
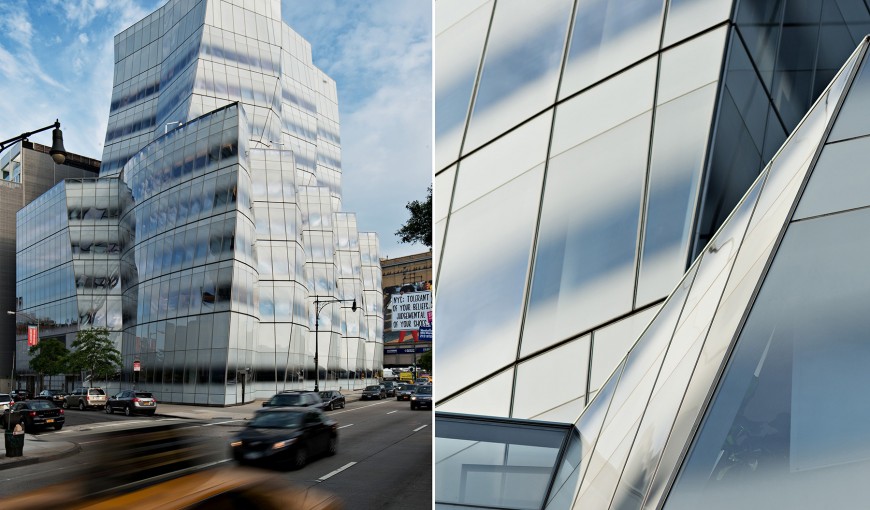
column 109, row 409
column 331, row 406
column 300, row 458
column 342, row 405
column 151, row 413
column 128, row 411
column 81, row 406
column 413, row 406
column 333, row 446
column 58, row 427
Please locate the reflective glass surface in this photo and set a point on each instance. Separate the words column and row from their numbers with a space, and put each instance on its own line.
column 532, row 399
column 612, row 342
column 838, row 181
column 608, row 36
column 851, row 122
column 491, row 397
column 520, row 68
column 584, row 268
column 483, row 274
column 688, row 17
column 456, row 63
column 786, row 412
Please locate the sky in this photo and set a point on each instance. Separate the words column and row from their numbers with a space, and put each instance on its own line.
column 56, row 62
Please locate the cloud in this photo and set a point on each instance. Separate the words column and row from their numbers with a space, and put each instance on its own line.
column 16, row 24
column 83, row 38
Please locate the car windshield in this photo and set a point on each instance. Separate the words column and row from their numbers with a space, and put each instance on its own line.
column 96, row 391
column 327, row 395
column 279, row 420
column 424, row 390
column 142, row 394
column 372, row 388
column 402, row 387
column 286, row 400
column 4, row 397
column 41, row 404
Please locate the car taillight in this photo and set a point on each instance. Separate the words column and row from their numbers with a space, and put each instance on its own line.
column 61, row 411
column 136, row 400
column 32, row 413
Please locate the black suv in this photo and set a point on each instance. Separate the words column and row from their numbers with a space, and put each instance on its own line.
column 390, row 387
column 56, row 396
column 422, row 397
column 295, row 398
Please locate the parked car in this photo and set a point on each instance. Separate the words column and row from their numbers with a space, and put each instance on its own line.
column 19, row 395
column 132, row 402
column 285, row 434
column 295, row 398
column 5, row 401
column 55, row 396
column 422, row 397
column 404, row 391
column 332, row 399
column 375, row 391
column 85, row 397
column 35, row 413
column 390, row 388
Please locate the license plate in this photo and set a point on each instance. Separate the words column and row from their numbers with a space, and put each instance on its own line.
column 148, row 403
column 253, row 455
column 50, row 420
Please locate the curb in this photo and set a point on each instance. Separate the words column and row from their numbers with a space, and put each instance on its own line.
column 27, row 461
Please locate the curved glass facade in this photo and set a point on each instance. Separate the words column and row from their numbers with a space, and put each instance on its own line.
column 217, row 219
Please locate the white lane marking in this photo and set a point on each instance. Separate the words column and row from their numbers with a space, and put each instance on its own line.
column 337, row 471
column 220, row 423
column 391, row 412
column 345, row 426
column 420, row 428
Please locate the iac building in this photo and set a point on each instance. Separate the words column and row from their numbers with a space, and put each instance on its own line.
column 216, row 220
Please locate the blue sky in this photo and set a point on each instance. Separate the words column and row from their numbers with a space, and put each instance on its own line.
column 56, row 61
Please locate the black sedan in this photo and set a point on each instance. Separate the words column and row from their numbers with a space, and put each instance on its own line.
column 132, row 402
column 404, row 391
column 35, row 413
column 375, row 391
column 332, row 399
column 55, row 396
column 19, row 395
column 422, row 397
column 285, row 435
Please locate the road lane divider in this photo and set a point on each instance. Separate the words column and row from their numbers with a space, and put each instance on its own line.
column 420, row 428
column 337, row 471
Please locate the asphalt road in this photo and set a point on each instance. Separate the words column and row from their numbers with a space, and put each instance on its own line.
column 384, row 458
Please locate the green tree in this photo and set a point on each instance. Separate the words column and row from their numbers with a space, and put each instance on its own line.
column 94, row 353
column 48, row 357
column 425, row 361
column 418, row 228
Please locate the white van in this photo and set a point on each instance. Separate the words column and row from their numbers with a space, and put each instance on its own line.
column 389, row 375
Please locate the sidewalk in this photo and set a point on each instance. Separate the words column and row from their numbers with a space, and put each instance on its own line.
column 44, row 449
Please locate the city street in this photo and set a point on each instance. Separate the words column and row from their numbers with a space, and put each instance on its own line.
column 383, row 459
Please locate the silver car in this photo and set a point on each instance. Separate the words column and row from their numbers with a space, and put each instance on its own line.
column 5, row 402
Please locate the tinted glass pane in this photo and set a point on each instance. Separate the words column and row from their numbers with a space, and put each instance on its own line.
column 611, row 344
column 482, row 277
column 839, row 180
column 521, row 66
column 852, row 120
column 608, row 36
column 585, row 263
column 786, row 425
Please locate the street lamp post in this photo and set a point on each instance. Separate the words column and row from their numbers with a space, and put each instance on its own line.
column 57, row 152
column 319, row 304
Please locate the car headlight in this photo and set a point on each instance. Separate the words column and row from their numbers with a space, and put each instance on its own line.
column 283, row 444
column 236, row 443
column 413, row 398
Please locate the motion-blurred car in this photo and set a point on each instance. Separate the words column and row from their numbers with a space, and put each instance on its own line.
column 19, row 395
column 32, row 414
column 404, row 391
column 85, row 397
column 294, row 398
column 5, row 401
column 285, row 435
column 132, row 402
column 55, row 396
column 422, row 397
column 332, row 399
column 375, row 391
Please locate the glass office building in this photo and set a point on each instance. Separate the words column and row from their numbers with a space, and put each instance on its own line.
column 216, row 221
column 585, row 154
column 745, row 390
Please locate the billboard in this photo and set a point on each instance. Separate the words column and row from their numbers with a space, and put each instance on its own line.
column 32, row 336
column 410, row 310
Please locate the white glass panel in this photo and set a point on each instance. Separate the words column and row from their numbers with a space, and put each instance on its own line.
column 542, row 383
column 491, row 397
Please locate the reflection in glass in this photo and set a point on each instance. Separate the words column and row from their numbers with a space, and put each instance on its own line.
column 486, row 256
column 530, row 399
